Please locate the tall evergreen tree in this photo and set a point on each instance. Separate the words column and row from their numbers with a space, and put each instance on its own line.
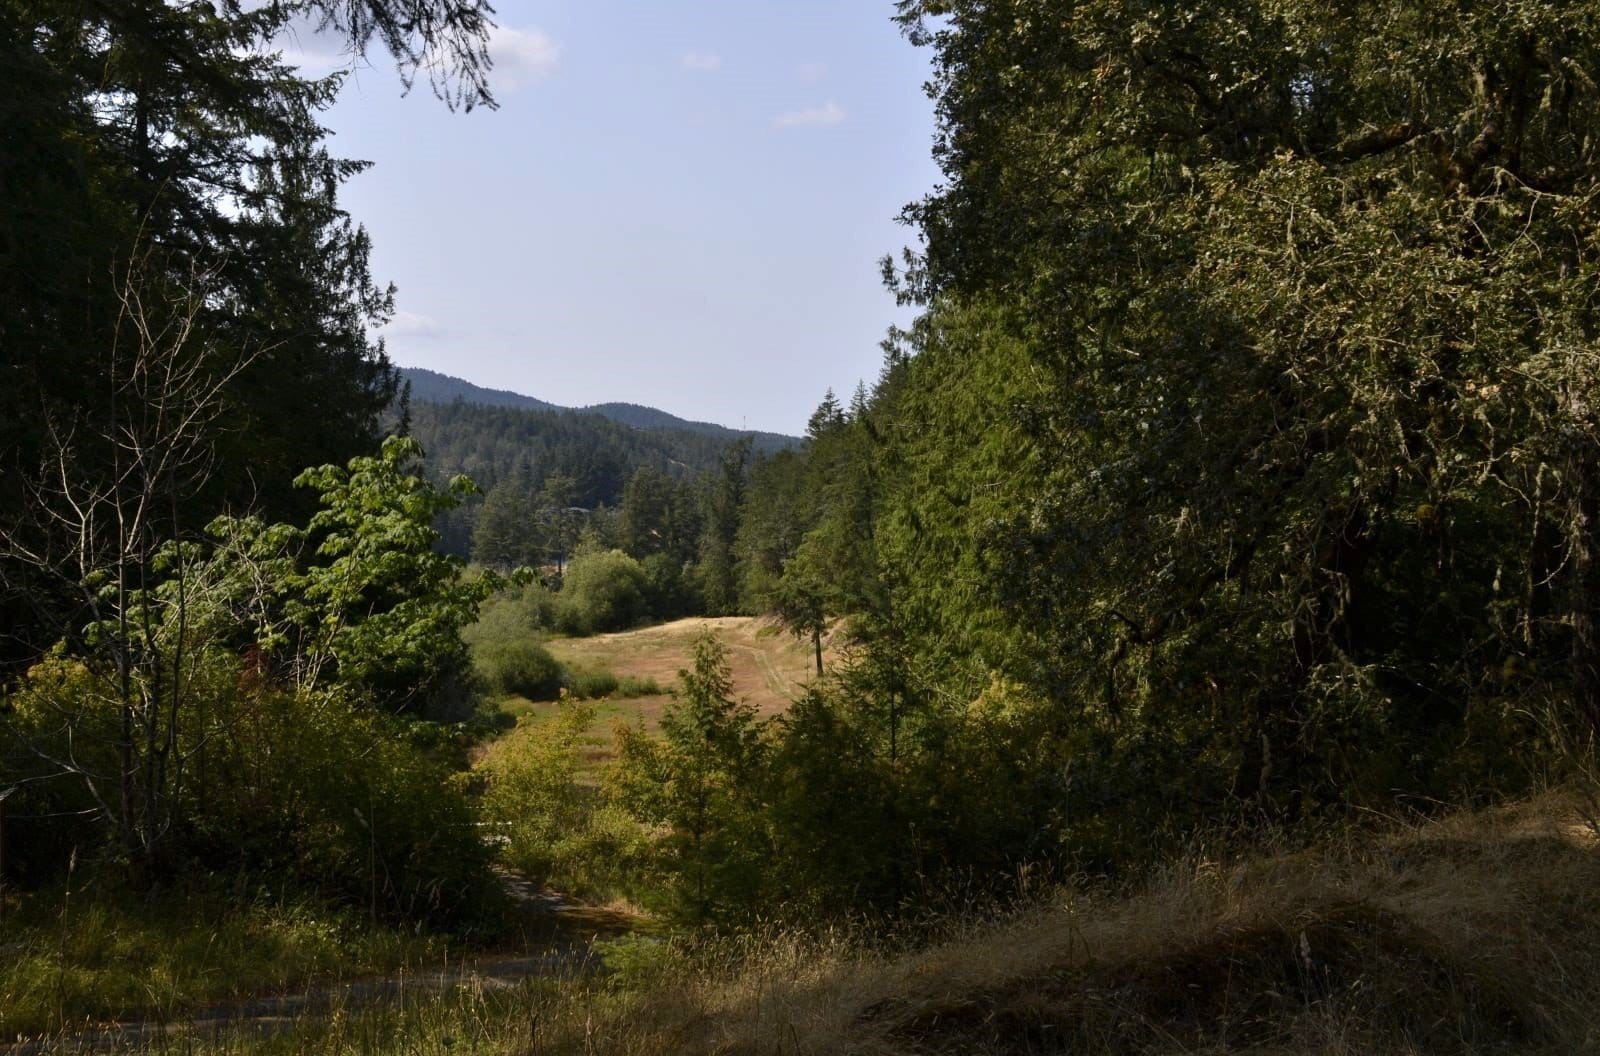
column 168, row 140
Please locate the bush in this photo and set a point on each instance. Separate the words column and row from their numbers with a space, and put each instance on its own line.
column 589, row 684
column 592, row 685
column 519, row 668
column 339, row 797
column 315, row 788
column 513, row 614
column 560, row 827
column 602, row 591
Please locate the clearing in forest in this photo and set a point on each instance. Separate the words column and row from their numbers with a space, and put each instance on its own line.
column 770, row 666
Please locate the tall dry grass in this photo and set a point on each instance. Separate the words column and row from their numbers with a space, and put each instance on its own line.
column 1478, row 933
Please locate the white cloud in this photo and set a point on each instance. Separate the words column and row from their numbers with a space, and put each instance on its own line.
column 830, row 113
column 411, row 325
column 314, row 54
column 702, row 62
column 521, row 56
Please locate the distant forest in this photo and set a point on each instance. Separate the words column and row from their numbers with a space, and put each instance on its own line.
column 532, row 455
column 430, row 386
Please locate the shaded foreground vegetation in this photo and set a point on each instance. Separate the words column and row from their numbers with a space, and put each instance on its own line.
column 1476, row 933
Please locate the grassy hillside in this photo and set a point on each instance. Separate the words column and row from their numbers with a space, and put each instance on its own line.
column 1476, row 934
column 770, row 666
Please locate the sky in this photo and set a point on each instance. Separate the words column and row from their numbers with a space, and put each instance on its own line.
column 679, row 203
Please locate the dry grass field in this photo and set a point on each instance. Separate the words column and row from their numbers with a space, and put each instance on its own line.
column 770, row 666
column 1474, row 934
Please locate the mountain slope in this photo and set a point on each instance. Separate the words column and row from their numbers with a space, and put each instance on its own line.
column 429, row 386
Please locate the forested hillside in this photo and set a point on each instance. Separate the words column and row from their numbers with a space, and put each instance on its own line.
column 532, row 456
column 429, row 386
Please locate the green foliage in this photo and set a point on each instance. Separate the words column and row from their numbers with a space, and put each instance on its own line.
column 560, row 828
column 520, row 668
column 168, row 151
column 1246, row 420
column 277, row 762
column 310, row 786
column 634, row 686
column 381, row 602
column 91, row 952
column 700, row 782
column 382, row 823
column 668, row 592
column 593, row 685
column 716, row 572
column 602, row 591
column 586, row 684
column 371, row 606
column 507, row 534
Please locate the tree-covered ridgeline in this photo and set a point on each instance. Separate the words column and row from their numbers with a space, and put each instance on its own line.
column 540, row 469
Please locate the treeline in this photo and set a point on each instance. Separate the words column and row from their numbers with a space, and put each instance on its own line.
column 1240, row 466
column 555, row 485
column 536, row 468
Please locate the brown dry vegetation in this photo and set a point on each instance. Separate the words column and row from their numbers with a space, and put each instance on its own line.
column 1476, row 934
column 770, row 666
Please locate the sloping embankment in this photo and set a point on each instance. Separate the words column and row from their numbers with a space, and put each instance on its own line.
column 1476, row 934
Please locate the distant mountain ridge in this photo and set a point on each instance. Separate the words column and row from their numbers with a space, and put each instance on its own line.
column 430, row 386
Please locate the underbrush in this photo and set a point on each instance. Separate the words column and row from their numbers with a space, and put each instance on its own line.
column 510, row 659
column 591, row 684
column 558, row 823
column 1476, row 934
column 79, row 954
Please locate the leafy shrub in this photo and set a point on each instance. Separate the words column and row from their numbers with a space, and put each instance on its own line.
column 513, row 614
column 315, row 788
column 521, row 668
column 561, row 828
column 337, row 796
column 602, row 591
column 592, row 685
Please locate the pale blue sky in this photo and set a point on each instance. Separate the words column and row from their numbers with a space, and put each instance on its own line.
column 678, row 203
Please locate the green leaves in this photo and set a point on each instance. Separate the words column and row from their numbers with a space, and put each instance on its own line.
column 1217, row 299
column 359, row 596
